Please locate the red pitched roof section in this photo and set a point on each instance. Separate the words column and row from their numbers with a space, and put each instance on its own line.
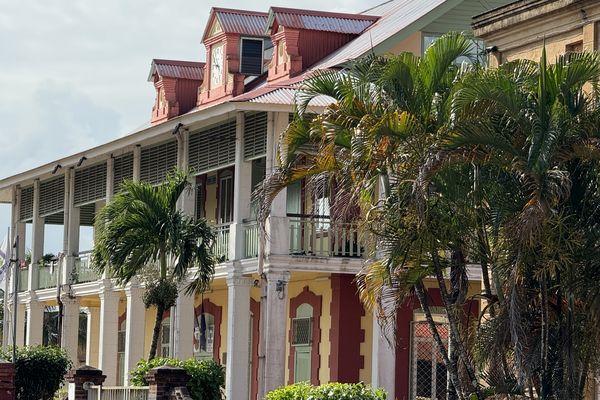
column 176, row 84
column 243, row 22
column 320, row 21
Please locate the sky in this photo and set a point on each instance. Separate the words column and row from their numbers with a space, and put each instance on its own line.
column 73, row 73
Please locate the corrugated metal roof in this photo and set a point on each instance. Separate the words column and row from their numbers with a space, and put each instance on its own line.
column 320, row 21
column 396, row 16
column 177, row 69
column 249, row 23
column 288, row 96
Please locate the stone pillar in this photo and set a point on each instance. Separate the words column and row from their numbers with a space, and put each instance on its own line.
column 37, row 235
column 93, row 336
column 7, row 381
column 69, row 339
column 137, row 158
column 237, row 384
column 109, row 334
column 163, row 380
column 35, row 319
column 184, row 327
column 134, row 328
column 383, row 368
column 76, row 378
column 276, row 324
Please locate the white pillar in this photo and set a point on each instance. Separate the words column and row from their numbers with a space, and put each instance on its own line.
column 37, row 235
column 242, row 190
column 137, row 159
column 70, row 327
column 276, row 324
column 237, row 382
column 184, row 327
column 92, row 337
column 134, row 328
column 72, row 230
column 109, row 335
column 35, row 320
column 187, row 201
column 383, row 368
column 110, row 173
column 21, row 309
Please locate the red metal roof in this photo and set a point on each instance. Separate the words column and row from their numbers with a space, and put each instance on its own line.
column 251, row 23
column 177, row 69
column 320, row 20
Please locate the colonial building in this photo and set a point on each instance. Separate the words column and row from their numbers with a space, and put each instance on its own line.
column 222, row 119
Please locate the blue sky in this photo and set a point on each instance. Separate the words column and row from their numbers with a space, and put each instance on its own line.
column 74, row 72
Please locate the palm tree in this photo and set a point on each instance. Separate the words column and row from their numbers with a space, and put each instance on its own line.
column 386, row 114
column 142, row 227
column 537, row 127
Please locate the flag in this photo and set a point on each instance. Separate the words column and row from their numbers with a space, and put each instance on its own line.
column 4, row 258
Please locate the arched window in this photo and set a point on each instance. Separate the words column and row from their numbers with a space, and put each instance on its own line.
column 165, row 337
column 204, row 336
column 302, row 338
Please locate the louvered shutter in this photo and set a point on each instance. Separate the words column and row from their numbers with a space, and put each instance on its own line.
column 90, row 184
column 26, row 211
column 122, row 170
column 86, row 214
column 252, row 57
column 255, row 135
column 157, row 162
column 52, row 196
column 212, row 148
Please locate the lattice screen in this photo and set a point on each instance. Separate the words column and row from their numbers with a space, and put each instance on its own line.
column 301, row 331
column 255, row 135
column 212, row 148
column 158, row 161
column 52, row 196
column 90, row 184
column 429, row 375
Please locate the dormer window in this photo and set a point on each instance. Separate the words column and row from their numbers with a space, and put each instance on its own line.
column 216, row 66
column 252, row 56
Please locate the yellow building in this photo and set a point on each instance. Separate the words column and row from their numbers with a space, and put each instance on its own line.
column 223, row 119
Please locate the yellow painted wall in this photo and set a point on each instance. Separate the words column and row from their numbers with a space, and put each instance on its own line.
column 218, row 295
column 554, row 46
column 366, row 347
column 211, row 200
column 412, row 44
column 149, row 318
column 320, row 285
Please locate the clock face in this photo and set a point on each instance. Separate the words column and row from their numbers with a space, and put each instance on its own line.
column 216, row 69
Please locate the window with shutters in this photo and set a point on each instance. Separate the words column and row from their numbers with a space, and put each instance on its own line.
column 302, row 342
column 255, row 135
column 157, row 162
column 201, row 197
column 225, row 197
column 52, row 196
column 165, row 338
column 252, row 57
column 90, row 184
column 204, row 336
column 122, row 170
column 212, row 148
column 26, row 207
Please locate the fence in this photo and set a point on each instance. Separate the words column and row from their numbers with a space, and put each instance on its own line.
column 118, row 392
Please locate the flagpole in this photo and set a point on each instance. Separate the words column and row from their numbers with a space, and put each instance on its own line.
column 15, row 260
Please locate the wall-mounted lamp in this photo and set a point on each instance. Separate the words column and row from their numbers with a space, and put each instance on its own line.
column 280, row 289
column 491, row 49
column 56, row 168
column 81, row 160
column 177, row 128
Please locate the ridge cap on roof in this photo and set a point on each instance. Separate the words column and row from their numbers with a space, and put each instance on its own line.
column 376, row 6
column 323, row 13
column 240, row 11
column 185, row 63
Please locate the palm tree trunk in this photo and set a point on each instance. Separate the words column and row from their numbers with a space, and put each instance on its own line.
column 156, row 332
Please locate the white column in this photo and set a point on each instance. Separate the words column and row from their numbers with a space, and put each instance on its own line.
column 187, row 201
column 70, row 327
column 110, row 172
column 237, row 377
column 134, row 328
column 35, row 319
column 383, row 368
column 276, row 323
column 37, row 235
column 184, row 327
column 21, row 309
column 92, row 337
column 73, row 230
column 277, row 225
column 137, row 158
column 242, row 190
column 109, row 335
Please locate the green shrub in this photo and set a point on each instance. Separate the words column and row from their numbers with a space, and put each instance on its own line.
column 206, row 377
column 39, row 371
column 329, row 391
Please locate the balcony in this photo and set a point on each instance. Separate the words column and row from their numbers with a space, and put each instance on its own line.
column 221, row 244
column 82, row 270
column 23, row 279
column 250, row 235
column 316, row 235
column 47, row 276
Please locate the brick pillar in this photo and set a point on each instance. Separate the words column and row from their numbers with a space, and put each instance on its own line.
column 77, row 377
column 7, row 380
column 163, row 380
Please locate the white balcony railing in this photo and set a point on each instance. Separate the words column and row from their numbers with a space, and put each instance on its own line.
column 23, row 279
column 221, row 244
column 82, row 270
column 118, row 392
column 47, row 276
column 318, row 236
column 250, row 233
